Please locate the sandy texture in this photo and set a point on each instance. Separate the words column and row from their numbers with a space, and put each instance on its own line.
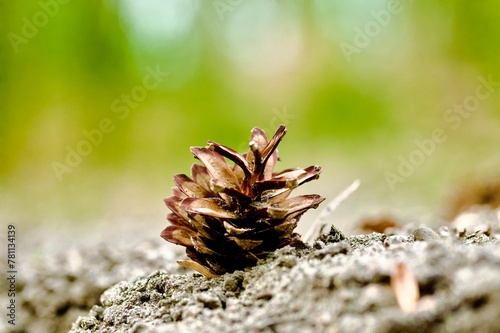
column 63, row 282
column 335, row 286
column 338, row 285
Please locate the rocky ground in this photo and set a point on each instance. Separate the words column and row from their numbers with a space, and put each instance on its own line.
column 336, row 285
column 53, row 290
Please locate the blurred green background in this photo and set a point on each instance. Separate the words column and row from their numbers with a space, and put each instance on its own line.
column 356, row 82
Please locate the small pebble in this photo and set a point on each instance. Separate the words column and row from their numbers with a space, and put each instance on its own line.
column 233, row 282
column 332, row 250
column 264, row 295
column 424, row 234
column 138, row 328
column 395, row 239
column 287, row 261
column 209, row 300
column 87, row 323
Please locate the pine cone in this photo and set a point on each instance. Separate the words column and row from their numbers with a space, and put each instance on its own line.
column 229, row 217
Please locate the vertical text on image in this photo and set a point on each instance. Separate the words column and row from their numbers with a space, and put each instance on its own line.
column 11, row 273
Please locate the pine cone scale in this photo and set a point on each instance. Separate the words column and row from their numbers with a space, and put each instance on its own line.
column 189, row 187
column 233, row 155
column 179, row 235
column 200, row 176
column 216, row 166
column 213, row 207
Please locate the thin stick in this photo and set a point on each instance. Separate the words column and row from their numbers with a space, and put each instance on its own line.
column 320, row 222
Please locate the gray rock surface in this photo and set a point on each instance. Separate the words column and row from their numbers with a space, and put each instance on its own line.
column 339, row 286
column 53, row 290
